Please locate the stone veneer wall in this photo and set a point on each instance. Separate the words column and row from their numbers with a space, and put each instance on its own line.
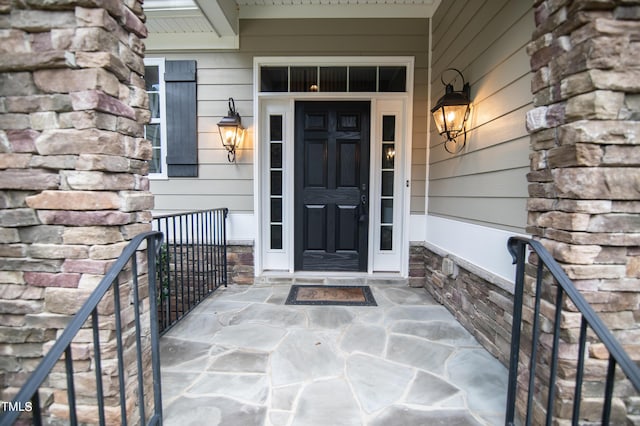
column 480, row 301
column 584, row 201
column 240, row 258
column 72, row 175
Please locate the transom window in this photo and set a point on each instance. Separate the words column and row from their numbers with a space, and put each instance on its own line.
column 333, row 78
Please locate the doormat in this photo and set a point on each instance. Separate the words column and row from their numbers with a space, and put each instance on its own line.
column 330, row 295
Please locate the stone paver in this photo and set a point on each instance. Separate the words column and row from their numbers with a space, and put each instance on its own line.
column 244, row 358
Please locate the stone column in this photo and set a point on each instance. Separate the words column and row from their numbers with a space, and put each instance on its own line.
column 73, row 165
column 584, row 184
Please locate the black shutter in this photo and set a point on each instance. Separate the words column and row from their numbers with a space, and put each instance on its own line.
column 182, row 135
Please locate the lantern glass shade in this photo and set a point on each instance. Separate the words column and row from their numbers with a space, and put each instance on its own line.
column 231, row 132
column 451, row 112
column 450, row 119
column 231, row 136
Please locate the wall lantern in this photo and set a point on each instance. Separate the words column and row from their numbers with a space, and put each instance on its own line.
column 451, row 113
column 231, row 131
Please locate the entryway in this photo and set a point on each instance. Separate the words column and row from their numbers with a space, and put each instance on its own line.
column 331, row 186
column 333, row 165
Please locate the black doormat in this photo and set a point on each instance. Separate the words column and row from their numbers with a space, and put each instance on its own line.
column 342, row 295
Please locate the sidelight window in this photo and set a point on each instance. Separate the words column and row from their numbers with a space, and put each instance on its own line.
column 275, row 182
column 387, row 175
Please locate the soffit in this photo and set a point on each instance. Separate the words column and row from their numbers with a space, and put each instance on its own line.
column 207, row 24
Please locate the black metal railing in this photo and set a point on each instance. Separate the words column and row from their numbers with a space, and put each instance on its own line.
column 192, row 262
column 551, row 285
column 104, row 312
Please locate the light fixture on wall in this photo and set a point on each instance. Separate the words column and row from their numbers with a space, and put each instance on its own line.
column 451, row 113
column 231, row 131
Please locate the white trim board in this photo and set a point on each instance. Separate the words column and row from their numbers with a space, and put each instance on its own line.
column 480, row 245
column 241, row 227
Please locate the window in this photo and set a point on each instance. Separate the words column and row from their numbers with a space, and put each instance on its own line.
column 171, row 86
column 350, row 78
column 156, row 130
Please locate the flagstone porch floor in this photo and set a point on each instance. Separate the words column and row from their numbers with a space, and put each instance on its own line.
column 244, row 358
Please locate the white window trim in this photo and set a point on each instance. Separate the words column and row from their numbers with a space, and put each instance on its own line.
column 268, row 98
column 159, row 62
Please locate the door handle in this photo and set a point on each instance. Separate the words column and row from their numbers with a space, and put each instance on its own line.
column 363, row 208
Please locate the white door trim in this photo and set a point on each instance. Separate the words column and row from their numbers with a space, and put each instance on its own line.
column 283, row 103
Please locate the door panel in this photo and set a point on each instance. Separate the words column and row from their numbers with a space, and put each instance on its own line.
column 347, row 163
column 331, row 185
column 316, row 236
column 347, row 221
column 315, row 172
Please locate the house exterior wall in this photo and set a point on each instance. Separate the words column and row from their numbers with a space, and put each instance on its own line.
column 224, row 74
column 477, row 198
column 485, row 183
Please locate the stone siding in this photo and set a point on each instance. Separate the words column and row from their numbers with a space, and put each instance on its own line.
column 584, row 203
column 240, row 258
column 73, row 166
column 417, row 271
column 483, row 303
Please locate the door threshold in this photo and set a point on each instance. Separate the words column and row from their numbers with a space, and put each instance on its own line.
column 331, row 278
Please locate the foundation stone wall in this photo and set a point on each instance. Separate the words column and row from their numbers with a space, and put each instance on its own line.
column 480, row 301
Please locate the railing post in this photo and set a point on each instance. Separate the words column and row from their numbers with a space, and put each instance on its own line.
column 517, row 250
column 224, row 242
column 152, row 256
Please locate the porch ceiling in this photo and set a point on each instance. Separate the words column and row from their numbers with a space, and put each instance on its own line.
column 213, row 24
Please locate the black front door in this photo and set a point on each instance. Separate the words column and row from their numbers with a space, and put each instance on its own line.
column 331, row 185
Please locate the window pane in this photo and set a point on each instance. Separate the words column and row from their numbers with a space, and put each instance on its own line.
column 152, row 78
column 333, row 79
column 154, row 165
column 388, row 128
column 362, row 79
column 387, row 184
column 386, row 238
column 276, row 155
column 275, row 128
column 154, row 104
column 393, row 79
column 276, row 210
column 387, row 211
column 276, row 183
column 274, row 79
column 276, row 237
column 152, row 134
column 388, row 155
column 304, row 79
